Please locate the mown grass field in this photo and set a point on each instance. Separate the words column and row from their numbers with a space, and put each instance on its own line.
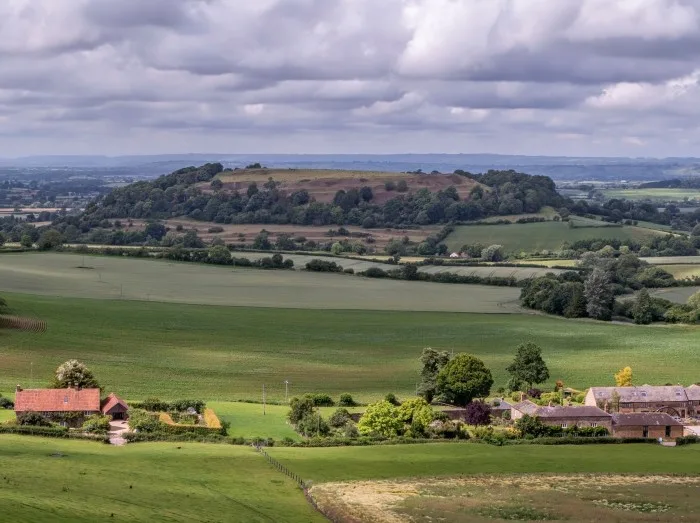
column 676, row 294
column 530, row 237
column 115, row 278
column 77, row 481
column 142, row 349
column 682, row 271
column 653, row 194
column 449, row 459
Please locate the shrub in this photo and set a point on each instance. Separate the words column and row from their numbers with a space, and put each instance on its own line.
column 390, row 186
column 155, row 405
column 143, row 421
column 320, row 400
column 215, row 229
column 346, row 400
column 312, row 424
column 6, row 403
column 382, row 419
column 687, row 440
column 534, row 393
column 391, row 398
column 299, row 407
column 96, row 424
column 33, row 419
column 339, row 418
column 316, row 265
column 183, row 405
column 375, row 272
column 478, row 413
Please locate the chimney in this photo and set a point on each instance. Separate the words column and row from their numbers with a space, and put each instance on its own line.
column 18, row 388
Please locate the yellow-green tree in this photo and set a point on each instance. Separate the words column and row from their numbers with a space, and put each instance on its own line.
column 624, row 377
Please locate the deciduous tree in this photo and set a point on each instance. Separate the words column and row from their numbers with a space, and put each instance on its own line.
column 433, row 361
column 464, row 378
column 599, row 297
column 624, row 377
column 75, row 374
column 528, row 366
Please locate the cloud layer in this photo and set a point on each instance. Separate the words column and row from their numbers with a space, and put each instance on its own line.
column 580, row 77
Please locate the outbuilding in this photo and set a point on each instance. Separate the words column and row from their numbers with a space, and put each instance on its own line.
column 646, row 425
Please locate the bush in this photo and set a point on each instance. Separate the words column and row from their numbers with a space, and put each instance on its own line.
column 339, row 418
column 96, row 424
column 143, row 421
column 375, row 272
column 478, row 413
column 316, row 265
column 687, row 440
column 33, row 419
column 50, row 432
column 154, row 405
column 391, row 398
column 183, row 405
column 346, row 400
column 215, row 229
column 6, row 403
column 312, row 424
column 320, row 400
column 299, row 407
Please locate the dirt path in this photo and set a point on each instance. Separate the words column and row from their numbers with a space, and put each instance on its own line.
column 116, row 432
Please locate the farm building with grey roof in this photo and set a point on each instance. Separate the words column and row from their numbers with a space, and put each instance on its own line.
column 675, row 400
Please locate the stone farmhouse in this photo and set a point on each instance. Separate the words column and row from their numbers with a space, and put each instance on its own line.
column 674, row 400
column 69, row 407
column 567, row 417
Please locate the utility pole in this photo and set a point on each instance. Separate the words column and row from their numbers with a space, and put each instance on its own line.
column 286, row 391
column 263, row 399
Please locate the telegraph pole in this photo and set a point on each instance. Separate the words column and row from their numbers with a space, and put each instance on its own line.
column 286, row 391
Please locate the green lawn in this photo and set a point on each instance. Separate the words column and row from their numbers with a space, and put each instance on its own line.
column 116, row 278
column 75, row 481
column 6, row 415
column 531, row 237
column 248, row 421
column 141, row 349
column 448, row 459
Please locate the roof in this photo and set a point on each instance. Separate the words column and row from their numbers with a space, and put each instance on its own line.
column 112, row 401
column 57, row 400
column 643, row 394
column 644, row 419
column 502, row 404
column 557, row 411
column 693, row 392
column 526, row 407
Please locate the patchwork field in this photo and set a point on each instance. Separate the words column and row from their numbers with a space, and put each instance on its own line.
column 530, row 237
column 579, row 498
column 76, row 481
column 653, row 194
column 682, row 271
column 55, row 274
column 142, row 349
column 676, row 294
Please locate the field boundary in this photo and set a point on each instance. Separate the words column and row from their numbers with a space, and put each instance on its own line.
column 298, row 480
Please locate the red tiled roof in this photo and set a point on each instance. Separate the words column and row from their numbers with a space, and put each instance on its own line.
column 57, row 400
column 112, row 401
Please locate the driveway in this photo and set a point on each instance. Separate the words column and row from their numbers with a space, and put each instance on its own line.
column 116, row 432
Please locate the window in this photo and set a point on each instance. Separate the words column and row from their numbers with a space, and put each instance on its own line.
column 644, row 394
column 564, row 425
column 87, row 412
column 65, row 399
column 594, row 424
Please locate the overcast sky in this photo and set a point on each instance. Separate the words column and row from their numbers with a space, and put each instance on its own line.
column 559, row 77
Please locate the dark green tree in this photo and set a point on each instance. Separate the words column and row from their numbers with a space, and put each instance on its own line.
column 433, row 361
column 642, row 310
column 464, row 378
column 49, row 240
column 528, row 366
column 219, row 255
column 599, row 297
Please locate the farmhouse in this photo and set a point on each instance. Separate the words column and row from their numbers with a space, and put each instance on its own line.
column 646, row 425
column 674, row 400
column 69, row 407
column 567, row 417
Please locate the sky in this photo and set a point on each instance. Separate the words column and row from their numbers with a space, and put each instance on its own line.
column 540, row 77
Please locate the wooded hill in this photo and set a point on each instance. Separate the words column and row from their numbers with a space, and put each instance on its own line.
column 205, row 194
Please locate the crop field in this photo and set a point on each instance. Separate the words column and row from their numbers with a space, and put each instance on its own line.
column 653, row 194
column 676, row 294
column 673, row 260
column 105, row 277
column 519, row 273
column 545, row 212
column 140, row 349
column 683, row 270
column 77, row 481
column 579, row 498
column 530, row 237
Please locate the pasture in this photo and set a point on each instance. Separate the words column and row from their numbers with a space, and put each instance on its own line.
column 429, row 460
column 654, row 194
column 140, row 349
column 676, row 294
column 578, row 498
column 682, row 270
column 110, row 278
column 77, row 481
column 529, row 237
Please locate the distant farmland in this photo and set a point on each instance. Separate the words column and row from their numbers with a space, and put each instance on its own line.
column 653, row 194
column 539, row 236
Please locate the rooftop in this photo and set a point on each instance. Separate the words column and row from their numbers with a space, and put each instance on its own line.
column 644, row 419
column 571, row 412
column 57, row 400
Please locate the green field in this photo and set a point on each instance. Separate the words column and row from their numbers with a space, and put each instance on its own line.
column 114, row 278
column 653, row 194
column 682, row 270
column 141, row 349
column 448, row 459
column 529, row 237
column 75, row 481
column 676, row 294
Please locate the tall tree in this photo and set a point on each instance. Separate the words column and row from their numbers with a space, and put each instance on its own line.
column 642, row 310
column 624, row 377
column 464, row 378
column 528, row 366
column 74, row 373
column 433, row 361
column 599, row 297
